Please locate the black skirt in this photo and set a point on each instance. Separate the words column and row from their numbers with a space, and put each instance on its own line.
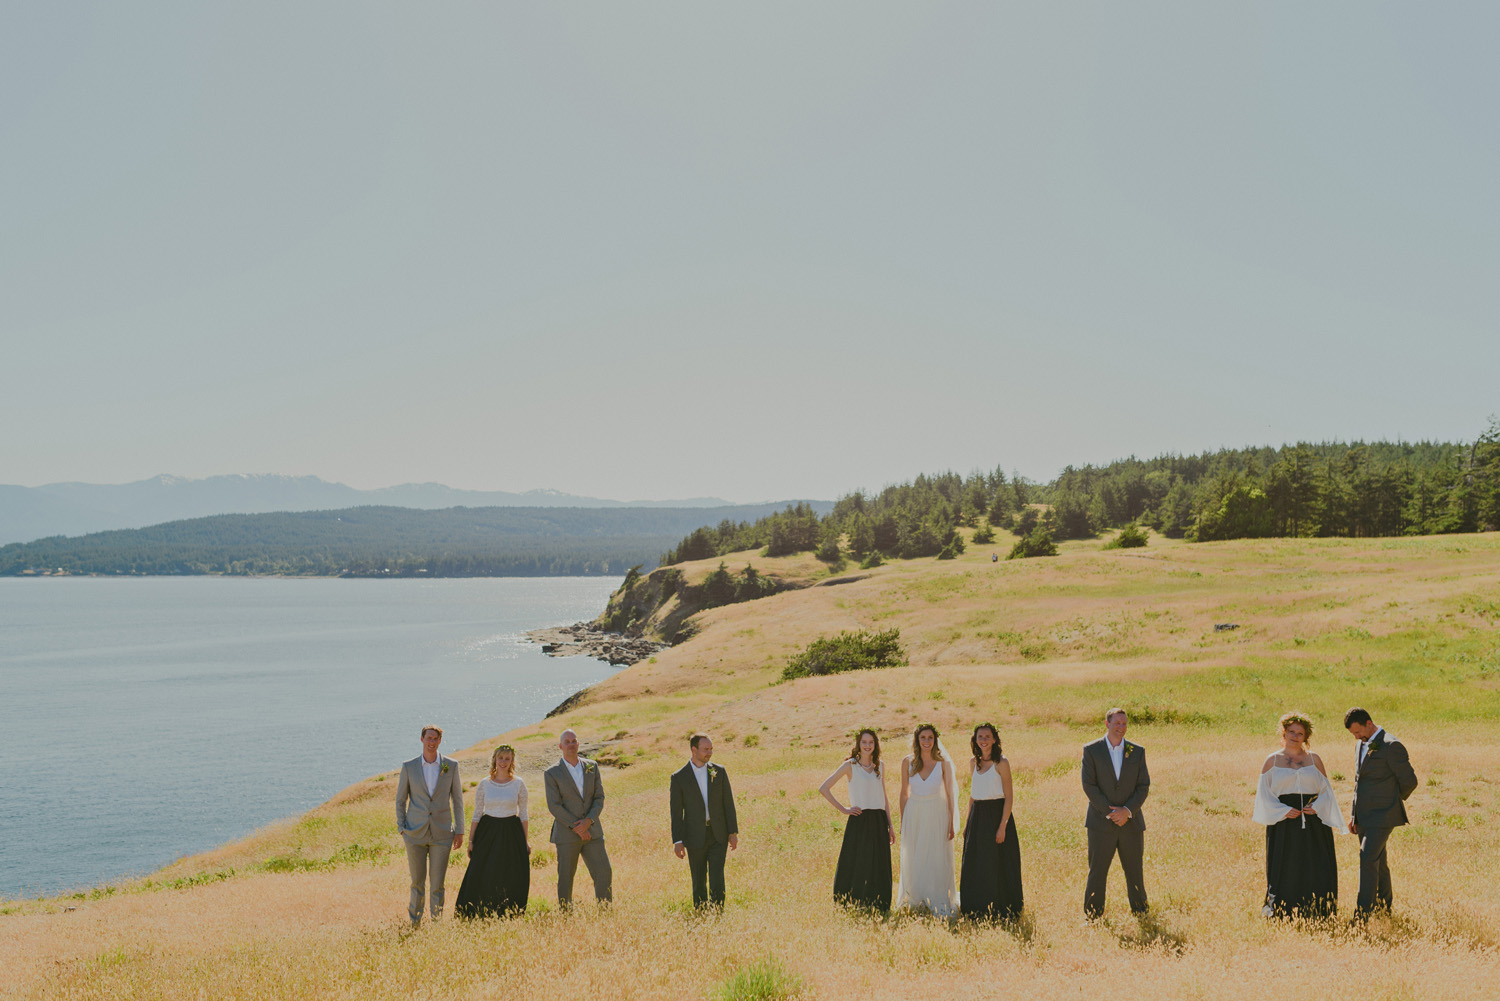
column 863, row 876
column 989, row 884
column 498, row 880
column 1302, row 873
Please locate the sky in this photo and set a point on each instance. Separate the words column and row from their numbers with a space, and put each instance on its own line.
column 752, row 251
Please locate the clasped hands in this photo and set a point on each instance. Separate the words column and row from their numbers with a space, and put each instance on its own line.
column 1119, row 815
column 581, row 828
column 1294, row 813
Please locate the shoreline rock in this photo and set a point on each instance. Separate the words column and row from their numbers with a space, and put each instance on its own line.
column 583, row 639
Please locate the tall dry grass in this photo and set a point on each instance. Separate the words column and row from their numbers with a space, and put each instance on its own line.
column 314, row 908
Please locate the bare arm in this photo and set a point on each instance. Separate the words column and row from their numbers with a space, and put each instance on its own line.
column 842, row 771
column 905, row 782
column 889, row 822
column 949, row 791
column 1010, row 798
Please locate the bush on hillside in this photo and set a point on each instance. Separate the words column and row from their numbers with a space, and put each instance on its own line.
column 984, row 535
column 1130, row 537
column 1026, row 523
column 856, row 651
column 1038, row 543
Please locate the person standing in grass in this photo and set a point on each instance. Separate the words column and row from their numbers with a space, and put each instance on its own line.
column 989, row 883
column 863, row 875
column 498, row 880
column 430, row 817
column 704, row 826
column 1383, row 780
column 1301, row 813
column 575, row 798
column 1116, row 781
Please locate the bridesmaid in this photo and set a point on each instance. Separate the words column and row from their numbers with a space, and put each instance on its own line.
column 989, row 884
column 1296, row 803
column 863, row 876
column 498, row 880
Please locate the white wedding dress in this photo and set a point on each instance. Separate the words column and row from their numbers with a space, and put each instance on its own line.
column 926, row 852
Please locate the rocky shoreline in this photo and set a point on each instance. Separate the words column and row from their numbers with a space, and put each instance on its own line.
column 583, row 639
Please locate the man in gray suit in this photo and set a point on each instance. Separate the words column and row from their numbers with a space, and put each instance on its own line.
column 1383, row 779
column 430, row 817
column 1115, row 780
column 575, row 798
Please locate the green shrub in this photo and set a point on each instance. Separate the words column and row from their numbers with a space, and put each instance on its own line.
column 984, row 535
column 1038, row 543
column 1130, row 537
column 1026, row 523
column 856, row 651
column 873, row 560
column 766, row 980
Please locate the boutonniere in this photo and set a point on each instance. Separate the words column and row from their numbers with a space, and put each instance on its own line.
column 444, row 769
column 712, row 771
column 588, row 766
column 1129, row 749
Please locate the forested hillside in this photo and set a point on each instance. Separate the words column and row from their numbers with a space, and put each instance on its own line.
column 379, row 541
column 1357, row 489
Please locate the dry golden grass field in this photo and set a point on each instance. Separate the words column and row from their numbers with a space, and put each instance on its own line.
column 315, row 907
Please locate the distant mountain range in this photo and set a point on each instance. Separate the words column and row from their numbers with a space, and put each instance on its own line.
column 28, row 513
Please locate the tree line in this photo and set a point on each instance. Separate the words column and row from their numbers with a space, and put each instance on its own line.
column 375, row 542
column 1353, row 489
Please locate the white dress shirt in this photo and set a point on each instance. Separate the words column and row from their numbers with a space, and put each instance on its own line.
column 1364, row 746
column 701, row 774
column 430, row 771
column 1116, row 755
column 577, row 772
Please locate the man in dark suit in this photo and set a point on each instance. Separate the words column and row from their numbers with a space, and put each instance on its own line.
column 1115, row 780
column 704, row 826
column 1383, row 779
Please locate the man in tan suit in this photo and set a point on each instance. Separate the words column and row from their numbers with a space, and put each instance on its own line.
column 575, row 798
column 430, row 817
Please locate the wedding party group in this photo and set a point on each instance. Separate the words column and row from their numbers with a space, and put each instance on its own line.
column 1294, row 800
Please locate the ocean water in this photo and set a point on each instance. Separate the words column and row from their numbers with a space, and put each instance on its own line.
column 150, row 718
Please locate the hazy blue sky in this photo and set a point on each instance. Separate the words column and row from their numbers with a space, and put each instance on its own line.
column 754, row 251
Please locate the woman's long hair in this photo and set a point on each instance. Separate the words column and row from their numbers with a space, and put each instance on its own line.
column 995, row 751
column 916, row 747
column 495, row 757
column 874, row 755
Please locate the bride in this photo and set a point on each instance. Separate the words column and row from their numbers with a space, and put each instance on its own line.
column 1296, row 803
column 929, row 818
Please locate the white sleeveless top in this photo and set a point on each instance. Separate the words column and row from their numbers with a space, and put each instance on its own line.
column 987, row 784
column 866, row 789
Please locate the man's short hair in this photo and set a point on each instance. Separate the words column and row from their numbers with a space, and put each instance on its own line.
column 1355, row 715
column 1111, row 714
column 434, row 727
column 696, row 739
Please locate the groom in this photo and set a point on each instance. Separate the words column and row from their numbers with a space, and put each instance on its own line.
column 1383, row 779
column 430, row 817
column 1115, row 780
column 704, row 826
column 575, row 798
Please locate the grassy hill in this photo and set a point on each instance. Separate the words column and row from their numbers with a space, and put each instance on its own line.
column 314, row 907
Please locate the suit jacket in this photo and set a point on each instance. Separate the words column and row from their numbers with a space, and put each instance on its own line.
column 429, row 819
column 1105, row 791
column 568, row 807
column 1382, row 783
column 688, row 821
